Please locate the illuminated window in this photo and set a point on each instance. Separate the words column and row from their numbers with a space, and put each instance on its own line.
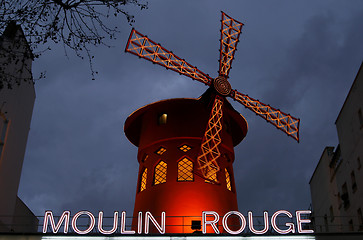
column 212, row 178
column 185, row 170
column 143, row 180
column 160, row 173
column 228, row 180
column 163, row 118
column 185, row 148
column 145, row 157
column 160, row 151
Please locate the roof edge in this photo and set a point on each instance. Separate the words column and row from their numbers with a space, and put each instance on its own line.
column 350, row 90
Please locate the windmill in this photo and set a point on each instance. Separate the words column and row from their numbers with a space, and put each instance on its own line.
column 140, row 45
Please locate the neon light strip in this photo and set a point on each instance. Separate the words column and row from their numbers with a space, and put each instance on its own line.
column 168, row 238
column 91, row 226
column 115, row 222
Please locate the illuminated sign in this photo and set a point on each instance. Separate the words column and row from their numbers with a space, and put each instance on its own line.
column 185, row 237
column 209, row 218
column 301, row 237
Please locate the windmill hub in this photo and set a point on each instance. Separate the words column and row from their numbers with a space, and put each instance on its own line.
column 222, row 86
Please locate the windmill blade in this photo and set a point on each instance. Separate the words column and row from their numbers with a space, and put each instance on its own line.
column 140, row 45
column 209, row 154
column 230, row 32
column 283, row 121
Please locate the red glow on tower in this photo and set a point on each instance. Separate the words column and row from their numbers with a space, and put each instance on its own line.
column 168, row 135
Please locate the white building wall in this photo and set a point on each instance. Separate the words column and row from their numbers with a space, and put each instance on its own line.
column 337, row 183
column 350, row 134
column 324, row 192
column 16, row 107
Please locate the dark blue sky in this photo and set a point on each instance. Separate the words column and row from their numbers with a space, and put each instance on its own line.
column 299, row 56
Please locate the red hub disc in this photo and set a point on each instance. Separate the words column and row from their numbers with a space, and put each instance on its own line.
column 222, row 86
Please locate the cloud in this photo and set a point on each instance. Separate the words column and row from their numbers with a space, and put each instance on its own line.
column 302, row 61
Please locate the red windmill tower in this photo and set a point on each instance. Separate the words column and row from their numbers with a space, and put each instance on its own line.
column 185, row 146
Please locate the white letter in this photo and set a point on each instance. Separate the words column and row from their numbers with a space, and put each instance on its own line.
column 250, row 223
column 243, row 222
column 290, row 225
column 115, row 222
column 149, row 216
column 139, row 223
column 91, row 226
column 123, row 224
column 299, row 221
column 64, row 217
column 212, row 223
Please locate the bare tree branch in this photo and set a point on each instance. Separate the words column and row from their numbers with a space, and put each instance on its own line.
column 77, row 24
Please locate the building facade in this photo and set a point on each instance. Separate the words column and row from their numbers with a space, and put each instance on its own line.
column 337, row 182
column 16, row 107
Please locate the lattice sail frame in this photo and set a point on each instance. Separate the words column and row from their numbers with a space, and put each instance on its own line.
column 283, row 121
column 230, row 32
column 142, row 46
column 207, row 160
